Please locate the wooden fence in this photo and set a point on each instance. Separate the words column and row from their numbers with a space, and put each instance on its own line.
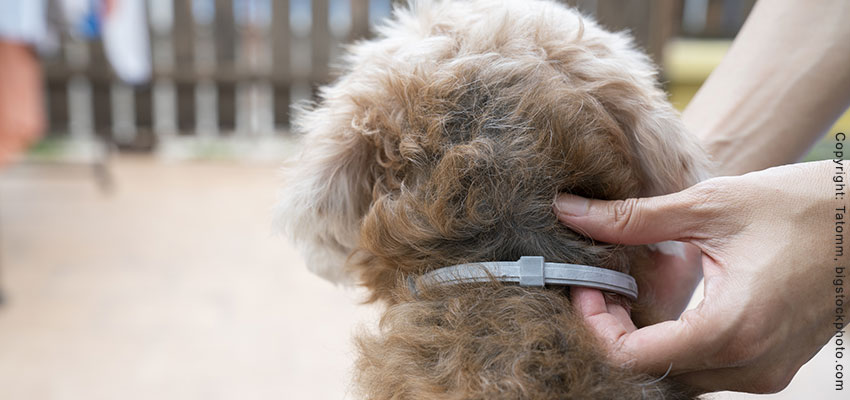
column 233, row 68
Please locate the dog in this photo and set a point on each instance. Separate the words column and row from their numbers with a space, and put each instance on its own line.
column 445, row 140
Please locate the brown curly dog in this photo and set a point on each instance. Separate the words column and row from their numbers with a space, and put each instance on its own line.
column 445, row 141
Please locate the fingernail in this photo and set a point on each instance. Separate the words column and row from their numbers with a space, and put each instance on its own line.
column 572, row 205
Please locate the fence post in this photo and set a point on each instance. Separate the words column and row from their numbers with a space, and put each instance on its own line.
column 100, row 78
column 280, row 62
column 647, row 20
column 321, row 41
column 183, row 34
column 225, row 52
column 359, row 20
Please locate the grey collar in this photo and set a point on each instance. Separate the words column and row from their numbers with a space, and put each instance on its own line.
column 533, row 271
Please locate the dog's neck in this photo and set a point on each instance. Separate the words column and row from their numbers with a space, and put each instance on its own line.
column 532, row 271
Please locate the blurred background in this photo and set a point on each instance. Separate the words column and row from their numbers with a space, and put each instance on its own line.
column 137, row 259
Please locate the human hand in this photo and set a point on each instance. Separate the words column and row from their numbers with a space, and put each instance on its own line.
column 667, row 283
column 768, row 261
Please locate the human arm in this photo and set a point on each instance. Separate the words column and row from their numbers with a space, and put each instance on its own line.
column 783, row 83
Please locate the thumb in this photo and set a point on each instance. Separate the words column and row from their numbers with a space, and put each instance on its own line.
column 651, row 349
column 647, row 220
column 654, row 348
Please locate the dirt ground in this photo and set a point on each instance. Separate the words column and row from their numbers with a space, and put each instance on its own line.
column 174, row 287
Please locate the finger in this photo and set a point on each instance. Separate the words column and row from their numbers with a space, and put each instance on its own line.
column 667, row 284
column 621, row 314
column 651, row 349
column 632, row 221
column 609, row 322
column 588, row 302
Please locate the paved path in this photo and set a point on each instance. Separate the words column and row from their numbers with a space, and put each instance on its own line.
column 173, row 287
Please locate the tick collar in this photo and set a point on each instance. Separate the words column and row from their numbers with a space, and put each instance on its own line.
column 532, row 271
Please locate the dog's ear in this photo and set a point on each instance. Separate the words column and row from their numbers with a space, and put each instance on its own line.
column 670, row 158
column 326, row 191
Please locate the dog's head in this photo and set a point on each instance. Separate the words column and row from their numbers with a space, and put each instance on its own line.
column 448, row 136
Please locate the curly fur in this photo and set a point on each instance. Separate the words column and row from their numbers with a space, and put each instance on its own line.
column 493, row 341
column 445, row 141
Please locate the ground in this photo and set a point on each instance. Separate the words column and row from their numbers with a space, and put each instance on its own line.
column 174, row 286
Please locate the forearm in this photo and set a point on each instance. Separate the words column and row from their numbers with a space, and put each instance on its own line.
column 785, row 80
